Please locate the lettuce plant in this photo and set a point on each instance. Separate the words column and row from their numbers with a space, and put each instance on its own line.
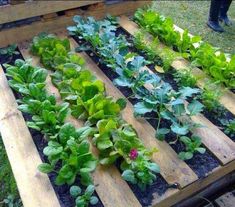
column 210, row 59
column 88, row 101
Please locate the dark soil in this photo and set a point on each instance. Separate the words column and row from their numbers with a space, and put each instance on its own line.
column 200, row 163
column 62, row 191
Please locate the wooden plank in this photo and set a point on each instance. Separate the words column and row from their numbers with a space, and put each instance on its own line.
column 104, row 177
column 29, row 9
column 196, row 186
column 173, row 169
column 9, row 36
column 22, row 153
column 227, row 99
column 215, row 140
column 226, row 200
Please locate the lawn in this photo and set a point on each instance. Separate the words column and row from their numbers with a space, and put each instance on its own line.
column 192, row 15
column 8, row 188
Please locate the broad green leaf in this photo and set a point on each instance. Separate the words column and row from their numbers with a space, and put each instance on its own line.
column 75, row 191
column 45, row 168
column 140, row 108
column 178, row 129
column 195, row 107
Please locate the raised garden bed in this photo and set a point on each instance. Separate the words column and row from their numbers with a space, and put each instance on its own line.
column 178, row 179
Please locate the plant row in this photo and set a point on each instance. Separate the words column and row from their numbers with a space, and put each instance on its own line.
column 68, row 150
column 210, row 93
column 168, row 104
column 210, row 59
column 87, row 99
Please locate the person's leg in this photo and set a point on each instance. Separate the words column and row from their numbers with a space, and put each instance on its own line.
column 213, row 20
column 223, row 12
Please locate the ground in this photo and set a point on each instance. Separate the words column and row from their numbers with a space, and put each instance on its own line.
column 193, row 16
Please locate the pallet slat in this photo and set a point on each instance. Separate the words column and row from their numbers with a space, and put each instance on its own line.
column 173, row 169
column 29, row 9
column 104, row 177
column 9, row 36
column 227, row 99
column 22, row 153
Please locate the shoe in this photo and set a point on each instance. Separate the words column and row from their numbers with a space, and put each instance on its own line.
column 215, row 26
column 226, row 20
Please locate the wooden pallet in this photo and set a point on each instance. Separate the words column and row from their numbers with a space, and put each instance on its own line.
column 56, row 23
column 34, row 186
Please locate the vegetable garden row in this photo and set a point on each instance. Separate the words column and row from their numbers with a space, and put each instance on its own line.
column 117, row 117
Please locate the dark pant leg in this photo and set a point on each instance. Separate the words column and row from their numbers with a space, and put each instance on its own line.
column 214, row 10
column 225, row 4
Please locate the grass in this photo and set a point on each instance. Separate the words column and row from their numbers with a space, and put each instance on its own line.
column 192, row 15
column 8, row 188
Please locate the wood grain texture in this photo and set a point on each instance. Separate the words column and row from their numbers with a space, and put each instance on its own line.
column 173, row 169
column 212, row 137
column 9, row 36
column 104, row 177
column 29, row 9
column 22, row 153
column 227, row 99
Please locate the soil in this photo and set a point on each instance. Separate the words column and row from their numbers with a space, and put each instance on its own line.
column 169, row 78
column 62, row 191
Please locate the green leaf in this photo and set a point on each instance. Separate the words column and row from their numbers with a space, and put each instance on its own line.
column 188, row 92
column 75, row 191
column 140, row 108
column 160, row 133
column 129, row 176
column 94, row 200
column 185, row 155
column 80, row 202
column 154, row 167
column 201, row 150
column 195, row 107
column 122, row 103
column 178, row 129
column 45, row 168
column 90, row 190
column 104, row 144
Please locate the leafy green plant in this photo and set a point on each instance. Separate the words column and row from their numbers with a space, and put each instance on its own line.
column 210, row 97
column 229, row 126
column 84, row 199
column 9, row 51
column 192, row 145
column 185, row 78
